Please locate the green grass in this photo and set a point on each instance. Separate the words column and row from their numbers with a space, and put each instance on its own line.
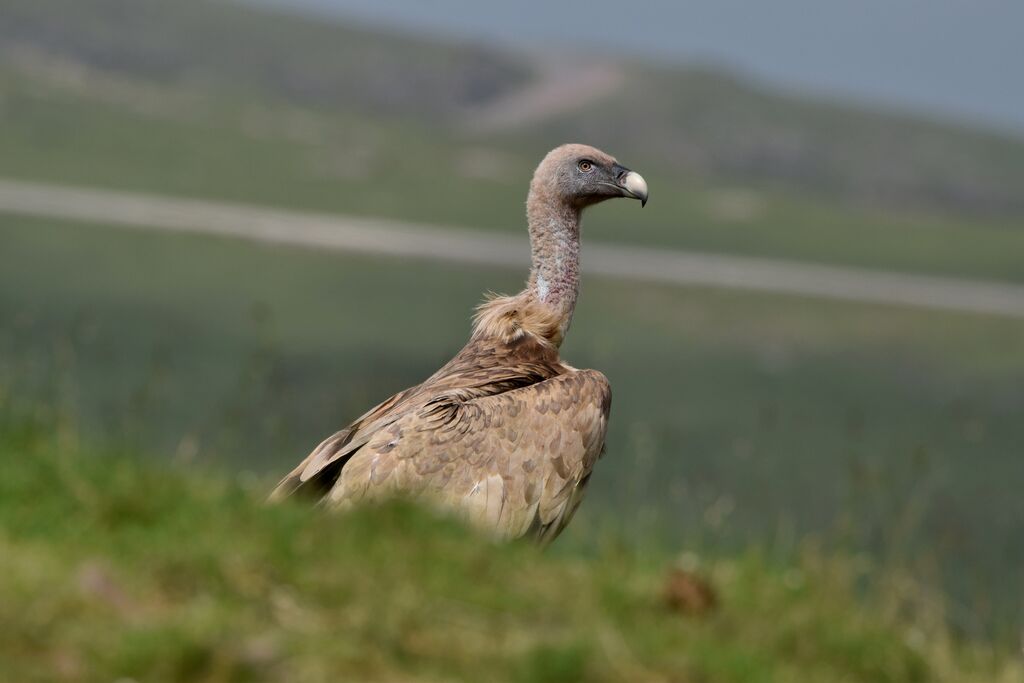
column 737, row 418
column 119, row 566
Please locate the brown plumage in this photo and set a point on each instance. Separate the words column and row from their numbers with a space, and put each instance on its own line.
column 505, row 434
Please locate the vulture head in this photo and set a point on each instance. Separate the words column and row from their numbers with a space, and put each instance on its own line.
column 581, row 175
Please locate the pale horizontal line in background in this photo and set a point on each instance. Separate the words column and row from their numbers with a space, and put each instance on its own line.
column 393, row 238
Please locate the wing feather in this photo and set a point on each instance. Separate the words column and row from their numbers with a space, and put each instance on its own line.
column 320, row 469
column 483, row 367
column 505, row 434
column 514, row 463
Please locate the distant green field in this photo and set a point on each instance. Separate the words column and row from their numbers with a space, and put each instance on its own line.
column 736, row 417
column 270, row 154
column 118, row 568
column 682, row 120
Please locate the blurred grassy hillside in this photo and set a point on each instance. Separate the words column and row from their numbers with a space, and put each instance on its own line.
column 209, row 99
column 272, row 153
column 738, row 418
column 116, row 568
column 205, row 45
column 683, row 121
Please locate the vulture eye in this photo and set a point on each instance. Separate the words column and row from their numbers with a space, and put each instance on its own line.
column 586, row 166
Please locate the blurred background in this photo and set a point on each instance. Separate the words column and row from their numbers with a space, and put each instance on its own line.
column 878, row 142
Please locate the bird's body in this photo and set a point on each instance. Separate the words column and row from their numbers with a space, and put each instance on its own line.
column 505, row 433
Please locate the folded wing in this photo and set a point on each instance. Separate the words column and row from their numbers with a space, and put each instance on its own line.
column 515, row 463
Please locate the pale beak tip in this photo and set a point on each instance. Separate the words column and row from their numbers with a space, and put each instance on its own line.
column 636, row 186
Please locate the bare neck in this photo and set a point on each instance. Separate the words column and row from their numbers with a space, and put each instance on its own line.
column 555, row 251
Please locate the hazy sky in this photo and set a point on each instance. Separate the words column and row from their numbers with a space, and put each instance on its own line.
column 955, row 58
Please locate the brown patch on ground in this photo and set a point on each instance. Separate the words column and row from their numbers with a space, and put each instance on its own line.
column 689, row 593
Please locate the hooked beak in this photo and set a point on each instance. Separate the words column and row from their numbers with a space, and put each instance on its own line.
column 636, row 187
column 631, row 184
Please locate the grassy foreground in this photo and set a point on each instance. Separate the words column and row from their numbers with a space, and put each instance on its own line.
column 115, row 567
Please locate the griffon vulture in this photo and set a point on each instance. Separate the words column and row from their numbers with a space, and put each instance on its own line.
column 505, row 434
